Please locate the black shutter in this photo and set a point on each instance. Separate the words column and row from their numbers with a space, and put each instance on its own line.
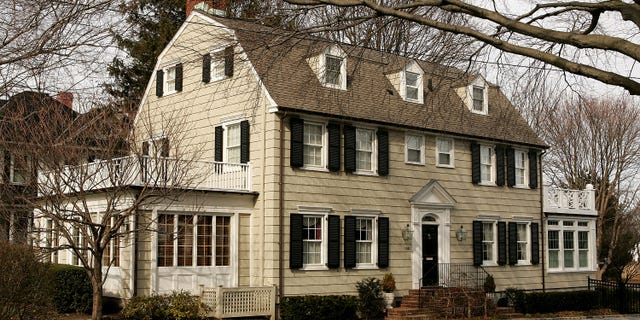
column 477, row 243
column 511, row 167
column 383, row 152
column 164, row 152
column 349, row 149
column 206, row 68
column 178, row 86
column 334, row 147
column 145, row 148
column 349, row 242
column 218, row 144
column 383, row 242
column 475, row 163
column 502, row 243
column 228, row 62
column 533, row 169
column 500, row 165
column 244, row 141
column 7, row 165
column 535, row 244
column 296, row 151
column 513, row 243
column 295, row 241
column 159, row 82
column 334, row 242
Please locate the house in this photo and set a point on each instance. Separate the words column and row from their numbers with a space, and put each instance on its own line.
column 321, row 163
column 23, row 117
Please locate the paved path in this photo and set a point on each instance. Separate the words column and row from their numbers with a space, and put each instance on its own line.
column 610, row 317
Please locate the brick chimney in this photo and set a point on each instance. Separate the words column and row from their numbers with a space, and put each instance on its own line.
column 218, row 7
column 65, row 98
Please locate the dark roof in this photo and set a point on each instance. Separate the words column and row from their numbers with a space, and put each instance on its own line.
column 281, row 60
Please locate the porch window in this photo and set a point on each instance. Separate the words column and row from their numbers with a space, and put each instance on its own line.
column 193, row 240
column 570, row 244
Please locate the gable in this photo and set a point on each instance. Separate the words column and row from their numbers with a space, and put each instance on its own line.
column 433, row 194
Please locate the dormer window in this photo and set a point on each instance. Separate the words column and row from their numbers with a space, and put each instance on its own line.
column 332, row 70
column 411, row 83
column 478, row 99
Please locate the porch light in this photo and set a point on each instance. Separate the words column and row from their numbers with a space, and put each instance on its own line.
column 407, row 235
column 461, row 235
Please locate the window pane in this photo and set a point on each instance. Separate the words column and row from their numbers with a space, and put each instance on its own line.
column 185, row 240
column 364, row 149
column 487, row 241
column 413, row 155
column 567, row 241
column 205, row 240
column 364, row 239
column 165, row 240
column 217, row 65
column 522, row 241
column 414, row 142
column 332, row 70
column 233, row 143
column 312, row 240
column 554, row 246
column 312, row 144
column 412, row 79
column 223, row 246
column 478, row 98
column 583, row 249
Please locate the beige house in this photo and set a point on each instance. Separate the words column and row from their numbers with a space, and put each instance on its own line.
column 324, row 163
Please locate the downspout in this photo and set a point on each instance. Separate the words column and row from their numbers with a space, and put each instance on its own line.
column 134, row 255
column 281, row 215
column 542, row 229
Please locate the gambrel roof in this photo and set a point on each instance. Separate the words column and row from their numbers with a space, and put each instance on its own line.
column 281, row 60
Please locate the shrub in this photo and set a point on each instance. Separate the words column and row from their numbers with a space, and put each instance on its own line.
column 548, row 302
column 177, row 305
column 489, row 284
column 370, row 302
column 25, row 284
column 388, row 282
column 318, row 308
column 71, row 290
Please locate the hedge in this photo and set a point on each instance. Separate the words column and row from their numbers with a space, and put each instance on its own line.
column 71, row 290
column 549, row 302
column 319, row 307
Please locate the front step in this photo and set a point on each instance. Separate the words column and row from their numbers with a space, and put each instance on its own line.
column 438, row 302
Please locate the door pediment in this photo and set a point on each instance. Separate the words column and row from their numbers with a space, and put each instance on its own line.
column 433, row 195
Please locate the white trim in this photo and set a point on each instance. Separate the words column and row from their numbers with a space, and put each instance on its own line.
column 422, row 148
column 525, row 184
column 335, row 51
column 443, row 221
column 324, row 156
column 368, row 212
column 324, row 242
column 451, row 153
column 236, row 117
column 492, row 179
column 374, row 152
column 479, row 82
column 494, row 247
column 374, row 243
column 412, row 67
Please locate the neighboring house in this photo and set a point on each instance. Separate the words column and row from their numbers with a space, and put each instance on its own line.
column 22, row 119
column 324, row 163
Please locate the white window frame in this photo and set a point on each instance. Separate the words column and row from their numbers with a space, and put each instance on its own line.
column 333, row 52
column 324, row 243
column 194, row 241
column 323, row 147
column 218, row 65
column 527, row 242
column 12, row 171
column 576, row 229
column 225, row 141
column 478, row 83
column 521, row 169
column 450, row 152
column 374, row 243
column 412, row 68
column 169, row 83
column 421, row 149
column 494, row 245
column 374, row 152
column 492, row 175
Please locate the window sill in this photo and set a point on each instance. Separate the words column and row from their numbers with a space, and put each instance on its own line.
column 365, row 173
column 489, row 264
column 319, row 169
column 334, row 86
column 314, row 268
column 484, row 113
column 418, row 101
column 415, row 163
column 552, row 271
column 168, row 93
column 523, row 263
column 366, row 267
column 521, row 186
column 447, row 166
column 487, row 184
column 218, row 79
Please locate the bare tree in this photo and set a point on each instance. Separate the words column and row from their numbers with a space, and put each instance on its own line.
column 43, row 43
column 95, row 177
column 568, row 35
column 598, row 142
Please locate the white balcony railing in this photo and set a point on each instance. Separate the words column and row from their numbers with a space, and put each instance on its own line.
column 147, row 171
column 240, row 302
column 570, row 201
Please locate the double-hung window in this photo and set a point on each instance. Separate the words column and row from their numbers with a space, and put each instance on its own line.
column 313, row 142
column 19, row 173
column 444, row 152
column 365, row 244
column 312, row 236
column 218, row 65
column 487, row 164
column 414, row 149
column 521, row 172
column 365, row 150
column 411, row 85
column 232, row 143
column 488, row 242
column 477, row 96
column 522, row 242
column 169, row 80
column 193, row 240
column 570, row 244
column 333, row 70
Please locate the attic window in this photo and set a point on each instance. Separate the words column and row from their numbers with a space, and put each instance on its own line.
column 412, row 85
column 478, row 99
column 333, row 68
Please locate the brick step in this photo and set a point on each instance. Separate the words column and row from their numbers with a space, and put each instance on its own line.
column 410, row 317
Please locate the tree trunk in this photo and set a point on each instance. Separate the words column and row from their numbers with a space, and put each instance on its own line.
column 96, row 283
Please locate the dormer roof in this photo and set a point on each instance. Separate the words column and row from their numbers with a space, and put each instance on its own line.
column 280, row 60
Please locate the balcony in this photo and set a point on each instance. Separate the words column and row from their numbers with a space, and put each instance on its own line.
column 570, row 201
column 148, row 172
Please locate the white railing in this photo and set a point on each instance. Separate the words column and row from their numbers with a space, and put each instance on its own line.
column 239, row 302
column 570, row 201
column 147, row 171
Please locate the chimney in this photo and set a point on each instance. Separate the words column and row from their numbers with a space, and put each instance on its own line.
column 216, row 7
column 65, row 98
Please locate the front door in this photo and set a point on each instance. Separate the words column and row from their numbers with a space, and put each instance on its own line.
column 429, row 255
